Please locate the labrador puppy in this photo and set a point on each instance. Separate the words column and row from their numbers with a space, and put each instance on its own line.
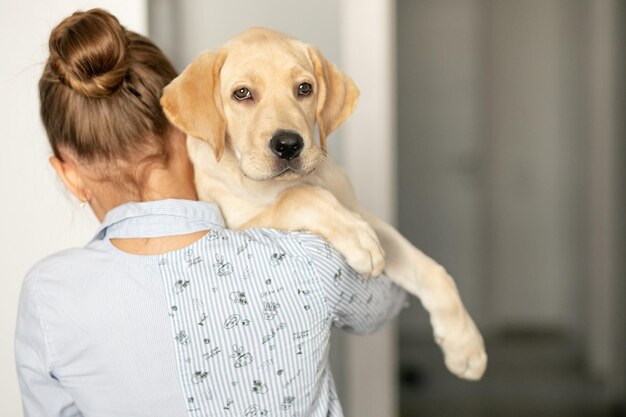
column 250, row 110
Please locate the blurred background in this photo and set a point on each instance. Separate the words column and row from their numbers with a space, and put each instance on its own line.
column 491, row 132
column 511, row 173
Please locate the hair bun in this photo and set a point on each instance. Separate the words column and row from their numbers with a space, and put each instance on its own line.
column 88, row 51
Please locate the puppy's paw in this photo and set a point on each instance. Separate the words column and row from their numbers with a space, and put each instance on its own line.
column 464, row 351
column 359, row 244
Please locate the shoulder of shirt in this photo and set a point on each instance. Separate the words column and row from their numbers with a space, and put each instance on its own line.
column 315, row 247
column 62, row 264
column 59, row 265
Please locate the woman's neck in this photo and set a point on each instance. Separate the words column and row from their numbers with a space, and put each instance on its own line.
column 169, row 183
column 161, row 184
column 174, row 180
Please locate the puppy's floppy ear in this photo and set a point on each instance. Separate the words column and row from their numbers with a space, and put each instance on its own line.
column 337, row 95
column 193, row 103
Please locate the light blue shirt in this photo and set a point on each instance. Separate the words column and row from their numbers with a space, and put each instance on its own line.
column 236, row 324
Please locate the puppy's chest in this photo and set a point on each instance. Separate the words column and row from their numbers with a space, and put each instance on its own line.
column 238, row 202
column 237, row 211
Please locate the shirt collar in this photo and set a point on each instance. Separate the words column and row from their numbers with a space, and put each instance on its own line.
column 159, row 218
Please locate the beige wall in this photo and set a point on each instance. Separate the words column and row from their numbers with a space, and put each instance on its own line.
column 37, row 217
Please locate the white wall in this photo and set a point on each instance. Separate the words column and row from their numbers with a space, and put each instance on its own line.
column 36, row 216
column 369, row 156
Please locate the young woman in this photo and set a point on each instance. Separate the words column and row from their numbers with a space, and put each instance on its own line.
column 165, row 312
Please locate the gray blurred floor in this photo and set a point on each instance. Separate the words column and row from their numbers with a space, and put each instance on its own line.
column 529, row 374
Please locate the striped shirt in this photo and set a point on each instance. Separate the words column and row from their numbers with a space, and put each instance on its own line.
column 236, row 324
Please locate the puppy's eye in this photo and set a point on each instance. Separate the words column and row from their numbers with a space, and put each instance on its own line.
column 242, row 94
column 305, row 89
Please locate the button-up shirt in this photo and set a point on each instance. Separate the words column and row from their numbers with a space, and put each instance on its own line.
column 235, row 324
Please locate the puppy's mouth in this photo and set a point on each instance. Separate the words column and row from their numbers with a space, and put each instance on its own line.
column 283, row 167
column 282, row 170
column 288, row 170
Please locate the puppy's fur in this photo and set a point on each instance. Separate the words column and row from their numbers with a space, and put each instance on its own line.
column 229, row 145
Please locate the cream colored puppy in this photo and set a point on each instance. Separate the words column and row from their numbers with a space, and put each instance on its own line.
column 250, row 111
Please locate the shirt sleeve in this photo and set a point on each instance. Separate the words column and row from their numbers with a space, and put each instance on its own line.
column 358, row 304
column 42, row 394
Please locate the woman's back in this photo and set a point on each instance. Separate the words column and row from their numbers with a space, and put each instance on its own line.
column 235, row 324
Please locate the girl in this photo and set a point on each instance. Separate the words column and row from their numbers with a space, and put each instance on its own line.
column 165, row 312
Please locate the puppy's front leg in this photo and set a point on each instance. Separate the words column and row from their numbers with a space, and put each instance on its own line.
column 316, row 210
column 454, row 329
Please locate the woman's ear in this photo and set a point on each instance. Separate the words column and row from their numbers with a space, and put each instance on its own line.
column 337, row 95
column 193, row 103
column 70, row 177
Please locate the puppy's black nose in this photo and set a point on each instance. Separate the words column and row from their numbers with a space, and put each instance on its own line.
column 286, row 145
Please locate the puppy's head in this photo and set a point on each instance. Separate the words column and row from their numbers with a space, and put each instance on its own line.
column 260, row 97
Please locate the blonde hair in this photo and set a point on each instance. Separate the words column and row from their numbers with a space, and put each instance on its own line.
column 99, row 94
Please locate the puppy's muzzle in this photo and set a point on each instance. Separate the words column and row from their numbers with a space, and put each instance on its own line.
column 286, row 145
